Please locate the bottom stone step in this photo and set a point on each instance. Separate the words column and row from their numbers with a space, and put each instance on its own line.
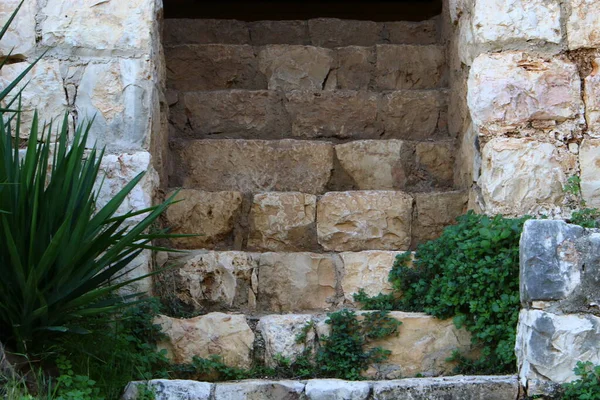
column 455, row 387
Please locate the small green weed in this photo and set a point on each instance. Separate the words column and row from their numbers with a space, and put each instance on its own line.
column 583, row 216
column 587, row 387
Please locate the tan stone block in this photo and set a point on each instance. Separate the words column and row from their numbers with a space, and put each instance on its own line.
column 364, row 220
column 374, row 164
column 589, row 163
column 20, row 36
column 410, row 67
column 279, row 333
column 297, row 281
column 437, row 159
column 367, row 270
column 244, row 113
column 408, row 32
column 355, row 66
column 279, row 32
column 205, row 31
column 332, row 32
column 289, row 67
column 254, row 165
column 583, row 30
column 340, row 114
column 213, row 67
column 283, row 222
column 225, row 335
column 591, row 97
column 509, row 91
column 413, row 115
column 435, row 211
column 211, row 215
column 207, row 280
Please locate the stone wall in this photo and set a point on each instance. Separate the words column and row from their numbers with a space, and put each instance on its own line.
column 100, row 60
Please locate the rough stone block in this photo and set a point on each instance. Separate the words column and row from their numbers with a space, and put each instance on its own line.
column 254, row 165
column 283, row 222
column 213, row 67
column 355, row 67
column 591, row 96
column 259, row 389
column 516, row 20
column 332, row 32
column 279, row 32
column 408, row 32
column 521, row 176
column 589, row 163
column 225, row 335
column 165, row 389
column 211, row 215
column 279, row 334
column 410, row 67
column 285, row 279
column 248, row 114
column 582, row 24
column 413, row 115
column 511, row 90
column 340, row 114
column 20, row 36
column 288, row 67
column 437, row 160
column 205, row 31
column 335, row 389
column 550, row 265
column 374, row 164
column 549, row 346
column 364, row 220
column 435, row 211
column 367, row 270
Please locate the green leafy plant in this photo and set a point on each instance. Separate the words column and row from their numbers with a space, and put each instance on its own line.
column 71, row 386
column 583, row 216
column 587, row 387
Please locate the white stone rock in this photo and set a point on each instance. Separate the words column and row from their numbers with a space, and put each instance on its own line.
column 511, row 90
column 583, row 24
column 591, row 96
column 516, row 20
column 20, row 36
column 165, row 389
column 259, row 390
column 520, row 176
column 589, row 163
column 279, row 333
column 335, row 389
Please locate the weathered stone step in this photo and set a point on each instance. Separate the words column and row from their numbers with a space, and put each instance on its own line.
column 443, row 388
column 323, row 32
column 314, row 167
column 337, row 114
column 421, row 346
column 290, row 67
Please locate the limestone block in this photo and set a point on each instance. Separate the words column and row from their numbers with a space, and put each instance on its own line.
column 410, row 67
column 435, row 211
column 117, row 95
column 510, row 90
column 165, row 389
column 583, row 30
column 283, row 222
column 225, row 335
column 521, row 176
column 211, row 215
column 288, row 67
column 364, row 220
column 103, row 27
column 413, row 115
column 548, row 345
column 367, row 270
column 20, row 36
column 245, row 113
column 213, row 67
column 333, row 32
column 207, row 280
column 468, row 159
column 408, row 32
column 279, row 32
column 516, row 20
column 437, row 159
column 279, row 333
column 259, row 389
column 589, row 163
column 205, row 31
column 336, row 389
column 342, row 114
column 454, row 387
column 285, row 279
column 591, row 96
column 374, row 164
column 355, row 66
column 255, row 165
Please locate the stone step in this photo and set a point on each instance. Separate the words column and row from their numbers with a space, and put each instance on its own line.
column 421, row 346
column 311, row 166
column 441, row 388
column 291, row 67
column 337, row 114
column 322, row 32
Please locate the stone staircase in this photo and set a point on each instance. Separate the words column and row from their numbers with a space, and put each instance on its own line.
column 309, row 154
